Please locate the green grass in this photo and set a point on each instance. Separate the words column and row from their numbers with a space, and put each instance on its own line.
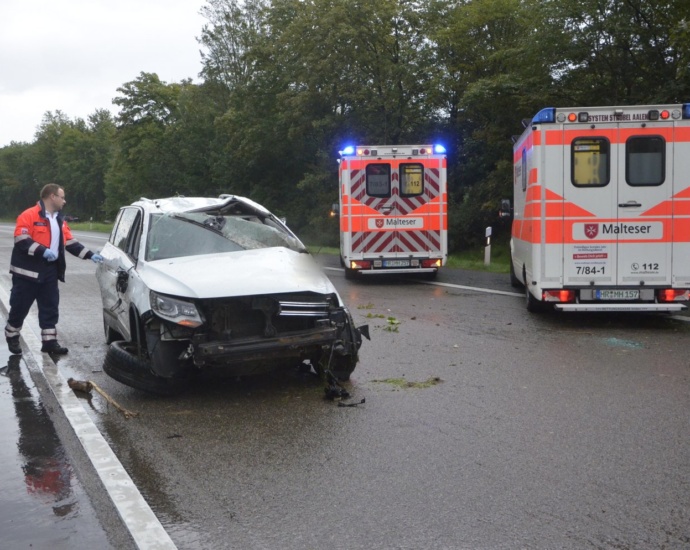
column 402, row 383
column 474, row 259
column 92, row 226
column 467, row 259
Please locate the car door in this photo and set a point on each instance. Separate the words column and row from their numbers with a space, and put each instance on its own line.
column 119, row 262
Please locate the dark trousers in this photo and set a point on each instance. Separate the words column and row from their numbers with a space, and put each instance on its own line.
column 24, row 293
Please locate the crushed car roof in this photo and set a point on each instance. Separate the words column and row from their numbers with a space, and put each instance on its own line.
column 189, row 204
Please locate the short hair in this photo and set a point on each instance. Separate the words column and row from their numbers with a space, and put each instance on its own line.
column 50, row 189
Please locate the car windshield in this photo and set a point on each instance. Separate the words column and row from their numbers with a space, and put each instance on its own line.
column 192, row 234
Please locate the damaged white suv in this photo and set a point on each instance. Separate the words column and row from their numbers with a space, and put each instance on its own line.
column 192, row 284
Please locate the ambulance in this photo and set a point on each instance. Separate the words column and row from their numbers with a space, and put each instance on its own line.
column 393, row 209
column 601, row 212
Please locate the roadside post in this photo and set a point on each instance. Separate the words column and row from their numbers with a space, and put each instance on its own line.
column 487, row 248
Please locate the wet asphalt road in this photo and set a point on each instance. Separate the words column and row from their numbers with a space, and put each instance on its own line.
column 42, row 502
column 483, row 427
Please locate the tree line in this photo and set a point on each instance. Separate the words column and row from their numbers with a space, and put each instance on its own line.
column 286, row 83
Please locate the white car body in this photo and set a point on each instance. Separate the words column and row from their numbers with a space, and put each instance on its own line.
column 243, row 309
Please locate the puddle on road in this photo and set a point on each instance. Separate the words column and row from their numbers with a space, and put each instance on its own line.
column 42, row 503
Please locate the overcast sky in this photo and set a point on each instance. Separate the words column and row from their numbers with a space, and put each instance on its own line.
column 72, row 55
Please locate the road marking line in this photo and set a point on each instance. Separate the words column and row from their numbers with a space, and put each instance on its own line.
column 136, row 515
column 461, row 287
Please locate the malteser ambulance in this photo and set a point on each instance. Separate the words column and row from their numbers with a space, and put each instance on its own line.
column 601, row 213
column 393, row 209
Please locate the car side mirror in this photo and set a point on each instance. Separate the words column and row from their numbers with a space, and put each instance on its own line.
column 335, row 209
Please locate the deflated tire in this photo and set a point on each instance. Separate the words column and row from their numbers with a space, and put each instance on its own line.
column 124, row 365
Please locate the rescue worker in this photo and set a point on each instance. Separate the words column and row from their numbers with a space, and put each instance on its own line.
column 41, row 237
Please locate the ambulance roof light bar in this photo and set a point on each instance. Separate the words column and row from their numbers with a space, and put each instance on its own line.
column 351, row 150
column 686, row 110
column 545, row 116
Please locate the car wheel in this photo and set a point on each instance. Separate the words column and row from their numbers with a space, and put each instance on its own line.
column 110, row 334
column 346, row 354
column 124, row 365
column 165, row 355
column 342, row 367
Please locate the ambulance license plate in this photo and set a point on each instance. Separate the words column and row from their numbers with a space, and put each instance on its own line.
column 396, row 263
column 617, row 294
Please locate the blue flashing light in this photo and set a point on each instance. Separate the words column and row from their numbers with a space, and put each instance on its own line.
column 545, row 115
column 686, row 110
column 349, row 150
column 439, row 149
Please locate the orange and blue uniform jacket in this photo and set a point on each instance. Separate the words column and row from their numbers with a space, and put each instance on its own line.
column 32, row 237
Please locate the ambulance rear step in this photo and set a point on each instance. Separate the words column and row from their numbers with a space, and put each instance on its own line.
column 619, row 307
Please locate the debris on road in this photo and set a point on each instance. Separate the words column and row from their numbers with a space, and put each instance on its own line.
column 87, row 386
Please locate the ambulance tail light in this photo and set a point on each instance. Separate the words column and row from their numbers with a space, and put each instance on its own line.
column 360, row 264
column 558, row 296
column 673, row 295
column 545, row 116
column 432, row 262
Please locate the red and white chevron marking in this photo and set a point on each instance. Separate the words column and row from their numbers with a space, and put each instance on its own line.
column 383, row 242
column 402, row 205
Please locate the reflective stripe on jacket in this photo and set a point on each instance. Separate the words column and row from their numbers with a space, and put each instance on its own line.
column 32, row 237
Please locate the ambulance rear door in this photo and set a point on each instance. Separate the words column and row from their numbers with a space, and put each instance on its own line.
column 393, row 194
column 644, row 205
column 617, row 210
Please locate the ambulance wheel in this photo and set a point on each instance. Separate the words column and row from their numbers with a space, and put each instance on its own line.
column 534, row 305
column 431, row 276
column 350, row 273
column 514, row 281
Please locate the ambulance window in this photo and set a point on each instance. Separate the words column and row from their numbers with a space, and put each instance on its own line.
column 379, row 180
column 590, row 162
column 645, row 160
column 411, row 180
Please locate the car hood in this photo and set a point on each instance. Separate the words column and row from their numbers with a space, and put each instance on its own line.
column 245, row 273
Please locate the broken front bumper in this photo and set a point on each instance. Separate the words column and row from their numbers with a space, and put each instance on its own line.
column 295, row 344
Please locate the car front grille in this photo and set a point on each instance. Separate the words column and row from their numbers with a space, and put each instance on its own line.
column 267, row 316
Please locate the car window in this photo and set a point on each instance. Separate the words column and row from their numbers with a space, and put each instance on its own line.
column 193, row 234
column 126, row 226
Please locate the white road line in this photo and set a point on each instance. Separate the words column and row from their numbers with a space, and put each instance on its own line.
column 461, row 287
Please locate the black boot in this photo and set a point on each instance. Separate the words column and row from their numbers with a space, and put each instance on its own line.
column 14, row 346
column 52, row 346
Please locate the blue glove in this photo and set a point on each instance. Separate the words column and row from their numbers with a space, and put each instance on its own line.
column 50, row 255
column 97, row 258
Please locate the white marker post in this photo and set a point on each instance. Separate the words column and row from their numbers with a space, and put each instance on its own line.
column 487, row 248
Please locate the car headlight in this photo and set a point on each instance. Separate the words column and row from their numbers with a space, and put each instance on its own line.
column 178, row 311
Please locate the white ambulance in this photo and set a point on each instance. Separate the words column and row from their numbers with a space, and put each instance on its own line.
column 601, row 213
column 393, row 209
